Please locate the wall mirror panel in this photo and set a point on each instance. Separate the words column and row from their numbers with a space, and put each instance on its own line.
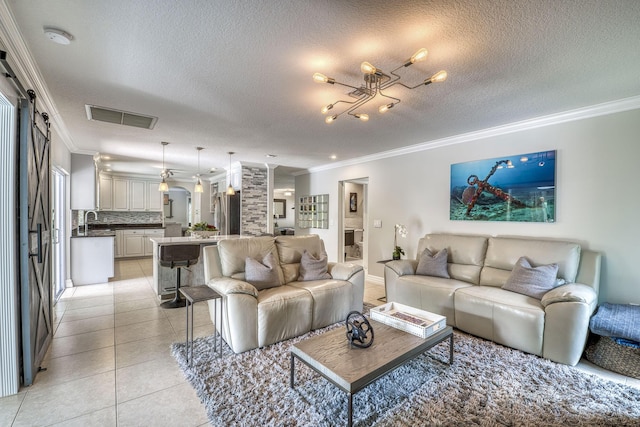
column 279, row 208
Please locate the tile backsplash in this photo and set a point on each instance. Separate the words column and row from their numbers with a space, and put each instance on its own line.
column 117, row 217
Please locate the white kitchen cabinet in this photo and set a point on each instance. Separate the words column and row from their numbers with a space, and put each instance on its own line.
column 118, row 242
column 137, row 195
column 137, row 243
column 148, row 244
column 120, row 194
column 105, row 193
column 154, row 197
column 83, row 182
column 133, row 243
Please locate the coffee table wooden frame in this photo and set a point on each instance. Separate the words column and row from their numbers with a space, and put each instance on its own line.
column 351, row 369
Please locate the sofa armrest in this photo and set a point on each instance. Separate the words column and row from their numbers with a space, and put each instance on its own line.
column 402, row 267
column 572, row 292
column 567, row 311
column 392, row 271
column 226, row 286
column 343, row 271
column 239, row 316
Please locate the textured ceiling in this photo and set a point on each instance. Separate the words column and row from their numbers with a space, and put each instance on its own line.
column 236, row 76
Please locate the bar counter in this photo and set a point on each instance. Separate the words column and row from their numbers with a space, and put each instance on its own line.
column 164, row 278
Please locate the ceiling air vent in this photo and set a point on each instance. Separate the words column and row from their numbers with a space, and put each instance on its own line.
column 109, row 115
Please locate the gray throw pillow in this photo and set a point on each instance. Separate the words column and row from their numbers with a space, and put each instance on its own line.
column 433, row 265
column 312, row 268
column 532, row 281
column 262, row 275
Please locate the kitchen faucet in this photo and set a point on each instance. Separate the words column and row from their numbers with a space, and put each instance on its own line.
column 86, row 217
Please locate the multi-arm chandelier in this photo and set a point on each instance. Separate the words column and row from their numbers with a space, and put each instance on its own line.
column 375, row 82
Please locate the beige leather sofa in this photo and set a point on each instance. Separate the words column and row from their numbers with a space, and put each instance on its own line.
column 555, row 327
column 251, row 318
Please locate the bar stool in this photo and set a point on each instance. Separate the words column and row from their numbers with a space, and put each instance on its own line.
column 178, row 256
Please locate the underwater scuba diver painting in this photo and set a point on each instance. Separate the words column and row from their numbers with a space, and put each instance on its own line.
column 511, row 188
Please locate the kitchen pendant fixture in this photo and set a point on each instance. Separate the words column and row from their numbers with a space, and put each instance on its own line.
column 375, row 81
column 230, row 190
column 163, row 185
column 198, row 188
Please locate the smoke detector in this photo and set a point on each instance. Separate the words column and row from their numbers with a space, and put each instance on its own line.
column 58, row 36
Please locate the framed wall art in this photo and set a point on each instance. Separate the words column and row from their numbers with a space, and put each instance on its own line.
column 353, row 202
column 511, row 188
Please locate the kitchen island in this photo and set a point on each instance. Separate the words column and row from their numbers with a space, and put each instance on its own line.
column 164, row 278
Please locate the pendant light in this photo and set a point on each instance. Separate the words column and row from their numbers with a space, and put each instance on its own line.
column 198, row 188
column 230, row 190
column 163, row 185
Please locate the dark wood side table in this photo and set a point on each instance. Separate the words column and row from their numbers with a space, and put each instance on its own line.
column 194, row 294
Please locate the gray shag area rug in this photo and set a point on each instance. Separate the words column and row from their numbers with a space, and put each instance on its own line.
column 487, row 385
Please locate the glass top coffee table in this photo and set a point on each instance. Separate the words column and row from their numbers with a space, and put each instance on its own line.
column 350, row 368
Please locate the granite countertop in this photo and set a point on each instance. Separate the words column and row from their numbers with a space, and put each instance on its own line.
column 121, row 226
column 109, row 230
column 93, row 233
column 194, row 240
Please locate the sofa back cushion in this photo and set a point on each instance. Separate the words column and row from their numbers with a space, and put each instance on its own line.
column 504, row 252
column 290, row 250
column 234, row 252
column 465, row 254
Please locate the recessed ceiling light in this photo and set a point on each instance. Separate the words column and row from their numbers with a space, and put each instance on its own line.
column 58, row 36
column 271, row 156
column 333, row 157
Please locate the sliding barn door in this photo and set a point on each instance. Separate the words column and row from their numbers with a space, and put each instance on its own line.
column 35, row 237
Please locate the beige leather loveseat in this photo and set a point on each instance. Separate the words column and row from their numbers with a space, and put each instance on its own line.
column 554, row 326
column 289, row 307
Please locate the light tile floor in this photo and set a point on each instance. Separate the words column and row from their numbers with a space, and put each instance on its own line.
column 110, row 364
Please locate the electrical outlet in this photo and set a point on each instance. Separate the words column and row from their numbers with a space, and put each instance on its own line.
column 377, row 223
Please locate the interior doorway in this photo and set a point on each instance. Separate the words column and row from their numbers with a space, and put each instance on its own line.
column 58, row 233
column 353, row 220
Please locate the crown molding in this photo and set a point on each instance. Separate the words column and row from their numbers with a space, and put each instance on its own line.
column 606, row 108
column 29, row 74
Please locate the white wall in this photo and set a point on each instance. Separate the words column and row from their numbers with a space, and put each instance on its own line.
column 597, row 202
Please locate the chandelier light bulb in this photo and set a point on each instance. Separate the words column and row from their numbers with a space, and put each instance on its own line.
column 321, row 78
column 363, row 117
column 367, row 68
column 385, row 108
column 420, row 55
column 330, row 119
column 438, row 77
column 326, row 108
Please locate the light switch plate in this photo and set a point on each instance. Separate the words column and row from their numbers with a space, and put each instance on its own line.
column 377, row 223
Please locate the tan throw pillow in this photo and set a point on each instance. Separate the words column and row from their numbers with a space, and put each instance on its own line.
column 312, row 268
column 433, row 265
column 262, row 275
column 532, row 281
